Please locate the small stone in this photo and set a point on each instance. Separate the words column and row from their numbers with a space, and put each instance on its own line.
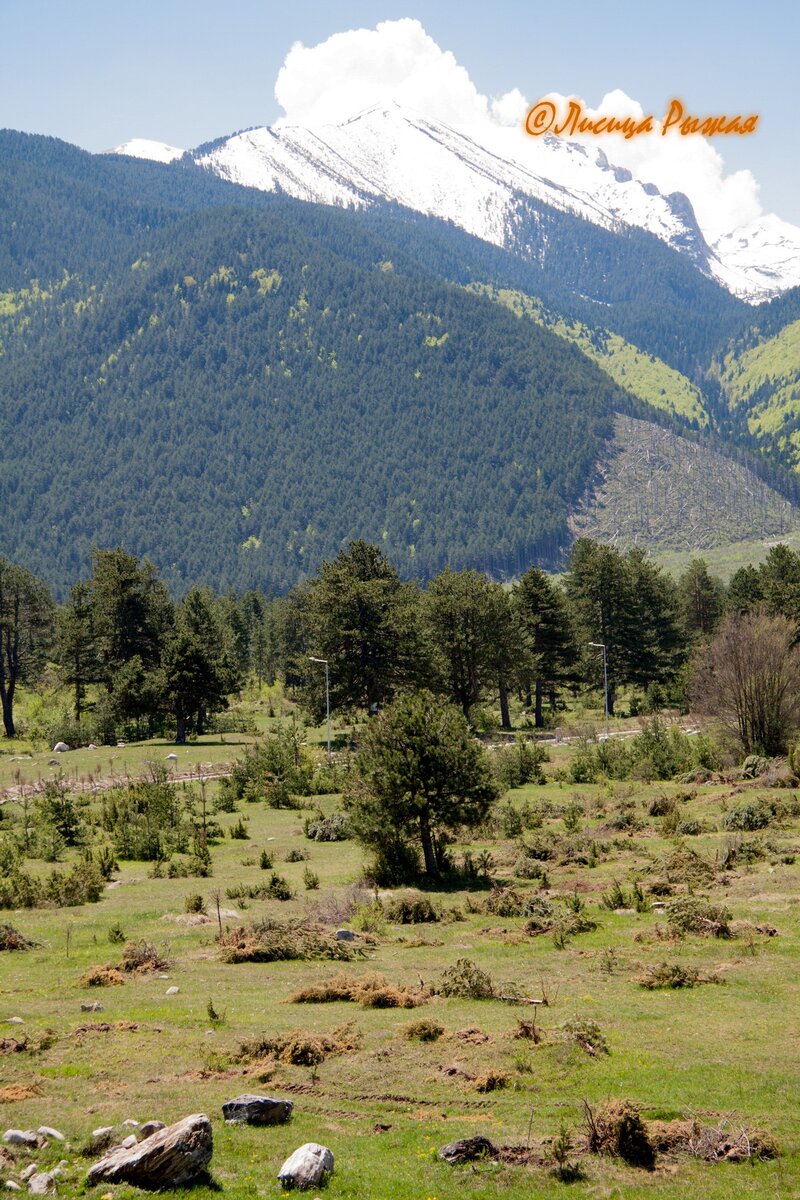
column 129, row 1142
column 60, row 748
column 31, row 1169
column 130, row 1124
column 41, row 1183
column 171, row 758
column 20, row 1137
column 172, row 991
column 48, row 1132
column 151, row 1127
column 12, row 1186
column 345, row 935
column 257, row 1110
column 13, row 1021
column 467, row 1149
column 96, row 1007
column 309, row 1166
column 91, row 746
column 103, row 1131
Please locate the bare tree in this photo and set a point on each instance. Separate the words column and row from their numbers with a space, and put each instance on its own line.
column 748, row 676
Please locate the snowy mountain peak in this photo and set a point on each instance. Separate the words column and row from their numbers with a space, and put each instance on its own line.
column 145, row 148
column 484, row 178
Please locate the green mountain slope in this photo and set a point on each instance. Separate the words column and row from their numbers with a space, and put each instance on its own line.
column 760, row 377
column 646, row 377
column 240, row 401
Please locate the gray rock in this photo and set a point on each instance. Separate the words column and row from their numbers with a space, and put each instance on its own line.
column 309, row 1166
column 151, row 1127
column 467, row 1149
column 41, row 1183
column 13, row 1021
column 12, row 1186
column 96, row 1007
column 60, row 748
column 130, row 1124
column 345, row 935
column 257, row 1110
column 171, row 758
column 29, row 1170
column 91, row 746
column 48, row 1132
column 130, row 1141
column 103, row 1131
column 172, row 991
column 20, row 1137
column 174, row 1156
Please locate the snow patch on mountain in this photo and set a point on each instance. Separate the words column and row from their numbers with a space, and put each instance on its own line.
column 145, row 148
column 480, row 178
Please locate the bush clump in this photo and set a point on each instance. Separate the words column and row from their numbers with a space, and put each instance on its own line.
column 411, row 908
column 466, row 981
column 12, row 939
column 300, row 1047
column 670, row 975
column 370, row 991
column 424, row 1030
column 143, row 958
column 586, row 1034
column 267, row 942
column 107, row 976
column 333, row 828
column 693, row 914
column 748, row 817
column 616, row 1128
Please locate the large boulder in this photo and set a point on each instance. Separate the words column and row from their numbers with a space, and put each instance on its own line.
column 308, row 1167
column 467, row 1150
column 172, row 1157
column 257, row 1110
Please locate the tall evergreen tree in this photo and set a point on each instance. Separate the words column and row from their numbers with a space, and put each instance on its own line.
column 552, row 652
column 198, row 672
column 27, row 616
column 363, row 620
column 77, row 649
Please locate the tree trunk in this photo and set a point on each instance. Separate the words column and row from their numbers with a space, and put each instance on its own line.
column 538, row 718
column 201, row 720
column 8, row 712
column 180, row 736
column 431, row 865
column 505, row 716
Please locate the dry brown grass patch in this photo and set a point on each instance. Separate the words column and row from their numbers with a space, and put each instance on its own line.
column 18, row 1091
column 301, row 1047
column 97, row 976
column 370, row 991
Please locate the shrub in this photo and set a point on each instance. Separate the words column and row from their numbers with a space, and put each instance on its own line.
column 142, row 958
column 669, row 975
column 333, row 828
column 587, row 1035
column 276, row 770
column 116, row 934
column 107, row 976
column 692, row 914
column 239, row 831
column 411, row 908
column 425, row 1030
column 270, row 943
column 296, row 856
column 616, row 1127
column 519, row 764
column 265, row 860
column 278, row 888
column 370, row 991
column 12, row 939
column 527, row 867
column 310, row 880
column 690, row 828
column 466, row 981
column 748, row 817
column 147, row 819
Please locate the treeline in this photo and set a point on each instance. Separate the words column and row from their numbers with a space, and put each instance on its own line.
column 138, row 663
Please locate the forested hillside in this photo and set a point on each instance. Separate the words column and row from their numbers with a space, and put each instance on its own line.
column 236, row 384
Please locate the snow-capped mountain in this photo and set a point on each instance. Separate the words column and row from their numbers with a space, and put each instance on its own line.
column 145, row 148
column 484, row 180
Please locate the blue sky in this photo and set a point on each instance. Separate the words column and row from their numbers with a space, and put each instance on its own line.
column 185, row 71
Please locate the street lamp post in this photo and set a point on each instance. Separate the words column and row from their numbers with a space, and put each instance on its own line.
column 601, row 646
column 324, row 661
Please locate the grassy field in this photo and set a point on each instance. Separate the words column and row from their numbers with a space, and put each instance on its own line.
column 387, row 1103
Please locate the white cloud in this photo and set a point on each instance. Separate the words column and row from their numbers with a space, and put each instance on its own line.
column 398, row 60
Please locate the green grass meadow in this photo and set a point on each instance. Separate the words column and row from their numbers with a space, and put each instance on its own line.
column 728, row 1049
